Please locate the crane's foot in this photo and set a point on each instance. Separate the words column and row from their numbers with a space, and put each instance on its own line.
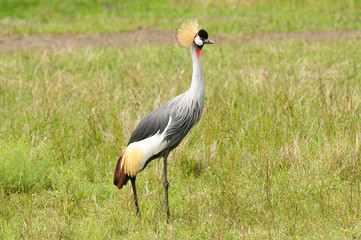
column 138, row 213
column 168, row 217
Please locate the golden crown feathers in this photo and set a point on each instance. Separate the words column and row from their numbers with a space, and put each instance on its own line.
column 187, row 31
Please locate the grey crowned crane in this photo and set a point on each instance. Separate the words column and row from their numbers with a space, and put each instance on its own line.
column 164, row 128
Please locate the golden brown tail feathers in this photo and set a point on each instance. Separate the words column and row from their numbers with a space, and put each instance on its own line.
column 120, row 178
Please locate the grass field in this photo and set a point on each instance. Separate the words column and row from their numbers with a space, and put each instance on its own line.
column 276, row 153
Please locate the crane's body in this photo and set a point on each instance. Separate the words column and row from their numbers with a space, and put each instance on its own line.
column 163, row 129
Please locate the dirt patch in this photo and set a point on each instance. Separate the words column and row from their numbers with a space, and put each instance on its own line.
column 69, row 40
column 311, row 35
column 10, row 43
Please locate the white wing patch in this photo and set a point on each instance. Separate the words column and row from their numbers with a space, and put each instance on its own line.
column 152, row 145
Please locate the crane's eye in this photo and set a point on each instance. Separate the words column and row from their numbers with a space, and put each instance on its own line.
column 198, row 41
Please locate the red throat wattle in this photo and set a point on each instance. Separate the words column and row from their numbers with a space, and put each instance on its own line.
column 199, row 52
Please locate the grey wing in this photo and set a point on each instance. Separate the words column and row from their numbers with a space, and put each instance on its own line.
column 183, row 119
column 153, row 123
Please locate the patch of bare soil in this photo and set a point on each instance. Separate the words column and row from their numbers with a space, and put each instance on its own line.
column 147, row 36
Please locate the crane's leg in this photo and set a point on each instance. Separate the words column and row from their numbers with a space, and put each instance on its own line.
column 166, row 185
column 135, row 195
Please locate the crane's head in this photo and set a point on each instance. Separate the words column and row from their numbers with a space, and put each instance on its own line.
column 189, row 34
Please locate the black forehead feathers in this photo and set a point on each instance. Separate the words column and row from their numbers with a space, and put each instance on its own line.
column 203, row 34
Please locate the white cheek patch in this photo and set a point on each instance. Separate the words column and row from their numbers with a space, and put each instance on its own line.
column 198, row 41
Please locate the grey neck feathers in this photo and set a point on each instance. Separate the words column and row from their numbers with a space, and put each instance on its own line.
column 196, row 90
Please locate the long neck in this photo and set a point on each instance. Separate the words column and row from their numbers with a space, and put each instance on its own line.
column 196, row 90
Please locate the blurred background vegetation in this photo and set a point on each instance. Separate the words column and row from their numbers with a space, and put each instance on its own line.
column 228, row 16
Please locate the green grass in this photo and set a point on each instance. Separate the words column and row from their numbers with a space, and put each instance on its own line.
column 275, row 155
column 102, row 16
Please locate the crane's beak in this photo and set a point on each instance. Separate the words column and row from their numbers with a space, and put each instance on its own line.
column 208, row 41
